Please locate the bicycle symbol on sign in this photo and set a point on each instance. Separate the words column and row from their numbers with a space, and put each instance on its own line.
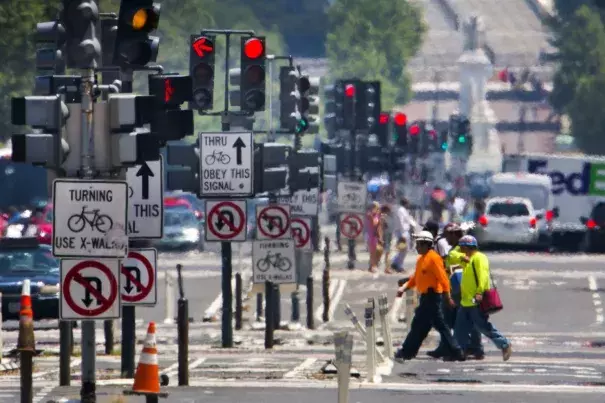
column 217, row 156
column 100, row 222
column 277, row 261
column 352, row 198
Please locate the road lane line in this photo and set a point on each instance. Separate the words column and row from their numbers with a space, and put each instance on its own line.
column 297, row 370
column 331, row 290
column 197, row 363
column 217, row 304
column 335, row 299
column 596, row 300
column 394, row 311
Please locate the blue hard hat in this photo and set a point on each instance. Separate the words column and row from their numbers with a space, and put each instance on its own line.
column 468, row 240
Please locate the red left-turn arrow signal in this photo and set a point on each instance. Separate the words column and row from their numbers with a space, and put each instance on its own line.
column 202, row 46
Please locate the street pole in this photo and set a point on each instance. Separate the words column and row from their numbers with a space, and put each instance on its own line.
column 88, row 391
column 128, row 312
column 353, row 161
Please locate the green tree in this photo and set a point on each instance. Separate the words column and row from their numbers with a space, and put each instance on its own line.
column 586, row 113
column 374, row 39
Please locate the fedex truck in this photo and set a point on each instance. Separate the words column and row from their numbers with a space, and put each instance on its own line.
column 578, row 184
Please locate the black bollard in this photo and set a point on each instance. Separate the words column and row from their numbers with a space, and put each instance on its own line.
column 182, row 332
column 238, row 301
column 65, row 351
column 276, row 306
column 310, row 318
column 295, row 318
column 325, row 288
column 351, row 261
column 109, row 337
column 259, row 306
column 269, row 315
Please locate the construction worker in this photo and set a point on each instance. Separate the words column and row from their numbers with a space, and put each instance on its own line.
column 432, row 284
column 475, row 282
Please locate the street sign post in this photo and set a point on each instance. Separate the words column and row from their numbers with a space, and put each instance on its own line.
column 351, row 225
column 226, row 164
column 90, row 289
column 352, row 197
column 303, row 202
column 274, row 261
column 138, row 282
column 226, row 221
column 146, row 200
column 90, row 218
column 301, row 232
column 273, row 222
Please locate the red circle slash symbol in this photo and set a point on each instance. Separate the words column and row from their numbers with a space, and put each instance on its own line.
column 300, row 232
column 351, row 226
column 202, row 45
column 226, row 214
column 273, row 222
column 133, row 279
column 103, row 303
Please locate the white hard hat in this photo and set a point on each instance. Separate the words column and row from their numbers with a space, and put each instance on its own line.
column 424, row 236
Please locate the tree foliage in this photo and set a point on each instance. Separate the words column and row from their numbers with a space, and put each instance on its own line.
column 374, row 39
column 579, row 36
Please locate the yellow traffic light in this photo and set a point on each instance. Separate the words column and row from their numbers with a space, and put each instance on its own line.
column 139, row 19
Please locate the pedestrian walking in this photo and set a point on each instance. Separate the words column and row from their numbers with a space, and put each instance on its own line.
column 475, row 282
column 442, row 247
column 374, row 235
column 432, row 284
column 454, row 263
column 403, row 224
column 387, row 235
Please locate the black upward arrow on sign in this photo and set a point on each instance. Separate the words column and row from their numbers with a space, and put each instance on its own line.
column 145, row 173
column 239, row 144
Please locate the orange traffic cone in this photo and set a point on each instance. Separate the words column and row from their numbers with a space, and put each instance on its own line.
column 147, row 376
column 26, row 341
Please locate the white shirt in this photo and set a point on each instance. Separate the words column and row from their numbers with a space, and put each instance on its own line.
column 403, row 221
column 442, row 247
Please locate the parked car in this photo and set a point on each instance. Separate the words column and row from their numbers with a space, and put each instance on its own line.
column 182, row 231
column 196, row 204
column 26, row 258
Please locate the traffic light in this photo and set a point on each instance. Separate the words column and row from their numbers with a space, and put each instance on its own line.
column 400, row 121
column 288, row 97
column 334, row 108
column 414, row 139
column 182, row 167
column 462, row 137
column 109, row 33
column 431, row 140
column 79, row 19
column 368, row 106
column 167, row 120
column 48, row 114
column 304, row 170
column 252, row 86
column 245, row 122
column 382, row 130
column 201, row 71
column 270, row 167
column 308, row 105
column 50, row 58
column 349, row 102
column 134, row 46
column 443, row 140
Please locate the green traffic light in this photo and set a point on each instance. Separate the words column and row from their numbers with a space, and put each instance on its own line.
column 444, row 146
column 461, row 139
column 301, row 126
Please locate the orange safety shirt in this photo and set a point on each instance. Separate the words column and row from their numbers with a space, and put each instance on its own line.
column 430, row 273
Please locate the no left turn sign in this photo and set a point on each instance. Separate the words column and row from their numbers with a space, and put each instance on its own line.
column 90, row 289
column 226, row 221
column 351, row 225
column 138, row 283
column 301, row 232
column 273, row 222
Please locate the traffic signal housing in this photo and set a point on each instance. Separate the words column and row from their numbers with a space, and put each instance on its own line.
column 308, row 105
column 168, row 121
column 463, row 141
column 49, row 114
column 201, row 71
column 252, row 86
column 82, row 45
column 334, row 108
column 350, row 88
column 382, row 129
column 288, row 97
column 400, row 123
column 415, row 132
column 50, row 57
column 443, row 140
column 368, row 106
column 134, row 46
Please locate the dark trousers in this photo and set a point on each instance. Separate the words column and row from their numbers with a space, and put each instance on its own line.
column 429, row 314
column 449, row 314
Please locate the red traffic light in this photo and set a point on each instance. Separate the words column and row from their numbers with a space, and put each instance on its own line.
column 400, row 119
column 383, row 119
column 349, row 90
column 202, row 46
column 433, row 134
column 168, row 90
column 414, row 130
column 254, row 48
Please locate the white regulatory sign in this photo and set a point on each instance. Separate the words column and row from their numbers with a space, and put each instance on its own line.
column 273, row 261
column 145, row 200
column 90, row 218
column 352, row 197
column 226, row 164
column 303, row 202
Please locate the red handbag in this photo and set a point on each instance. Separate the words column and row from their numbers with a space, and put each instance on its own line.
column 491, row 302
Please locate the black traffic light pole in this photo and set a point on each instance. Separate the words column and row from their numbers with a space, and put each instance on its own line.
column 226, row 252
